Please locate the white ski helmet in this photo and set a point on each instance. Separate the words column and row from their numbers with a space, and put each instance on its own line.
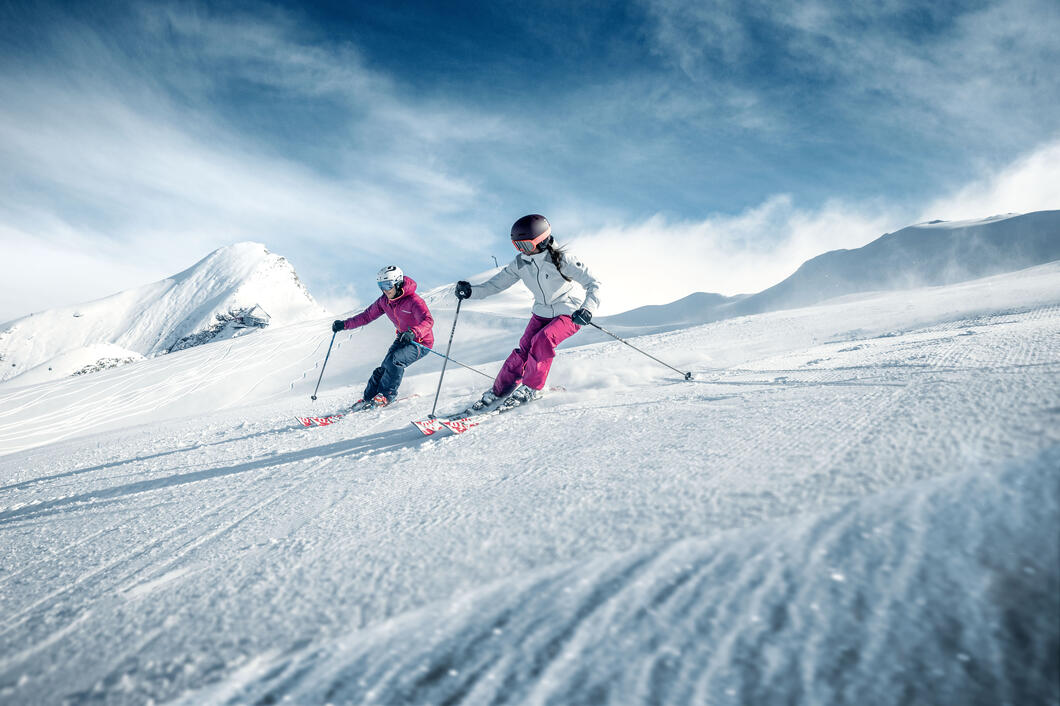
column 389, row 277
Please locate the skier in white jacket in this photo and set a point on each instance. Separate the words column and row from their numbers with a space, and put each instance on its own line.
column 559, row 310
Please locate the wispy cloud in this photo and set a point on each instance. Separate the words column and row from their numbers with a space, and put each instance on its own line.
column 940, row 70
column 136, row 153
column 742, row 140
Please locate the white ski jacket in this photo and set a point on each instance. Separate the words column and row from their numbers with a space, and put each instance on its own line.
column 553, row 295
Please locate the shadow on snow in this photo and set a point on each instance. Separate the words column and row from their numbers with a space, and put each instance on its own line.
column 380, row 442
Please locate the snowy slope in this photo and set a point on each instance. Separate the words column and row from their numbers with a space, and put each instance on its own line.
column 926, row 254
column 149, row 320
column 850, row 496
column 866, row 604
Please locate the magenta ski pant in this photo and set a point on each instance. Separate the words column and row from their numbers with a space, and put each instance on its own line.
column 530, row 362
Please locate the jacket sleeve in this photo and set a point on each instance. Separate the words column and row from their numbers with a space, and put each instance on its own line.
column 426, row 322
column 574, row 268
column 365, row 317
column 497, row 283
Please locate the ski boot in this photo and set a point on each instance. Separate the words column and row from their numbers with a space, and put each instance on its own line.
column 520, row 396
column 487, row 399
column 365, row 405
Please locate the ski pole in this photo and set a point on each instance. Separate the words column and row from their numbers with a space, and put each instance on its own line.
column 459, row 301
column 443, row 355
column 333, row 334
column 688, row 376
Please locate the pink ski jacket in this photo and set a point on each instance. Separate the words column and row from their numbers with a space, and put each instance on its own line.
column 407, row 311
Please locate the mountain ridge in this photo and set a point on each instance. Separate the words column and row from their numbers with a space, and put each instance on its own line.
column 232, row 289
column 926, row 254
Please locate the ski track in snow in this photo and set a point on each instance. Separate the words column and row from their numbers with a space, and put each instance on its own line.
column 234, row 556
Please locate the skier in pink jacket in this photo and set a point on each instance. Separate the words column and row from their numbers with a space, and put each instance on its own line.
column 413, row 322
column 560, row 309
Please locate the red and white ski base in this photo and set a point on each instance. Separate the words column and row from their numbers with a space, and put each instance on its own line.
column 320, row 421
column 457, row 426
column 332, row 418
column 462, row 424
column 428, row 426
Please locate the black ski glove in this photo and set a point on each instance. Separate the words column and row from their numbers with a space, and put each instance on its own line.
column 582, row 317
column 463, row 290
column 406, row 337
column 338, row 326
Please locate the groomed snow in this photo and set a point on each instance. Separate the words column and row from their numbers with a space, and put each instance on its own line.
column 930, row 594
column 853, row 502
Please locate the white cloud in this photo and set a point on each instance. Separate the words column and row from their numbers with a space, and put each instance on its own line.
column 39, row 275
column 1031, row 183
column 657, row 261
column 120, row 156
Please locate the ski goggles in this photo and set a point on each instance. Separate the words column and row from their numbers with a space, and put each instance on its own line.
column 529, row 246
column 386, row 285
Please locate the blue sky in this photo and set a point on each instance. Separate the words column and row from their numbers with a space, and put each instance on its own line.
column 676, row 146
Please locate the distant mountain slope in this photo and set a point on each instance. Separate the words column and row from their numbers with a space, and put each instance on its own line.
column 696, row 308
column 232, row 290
column 926, row 254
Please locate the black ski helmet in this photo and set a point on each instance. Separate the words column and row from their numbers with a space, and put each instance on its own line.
column 531, row 231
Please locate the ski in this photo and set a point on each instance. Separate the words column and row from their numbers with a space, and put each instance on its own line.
column 458, row 422
column 428, row 426
column 457, row 425
column 462, row 421
column 329, row 419
column 320, row 421
column 462, row 424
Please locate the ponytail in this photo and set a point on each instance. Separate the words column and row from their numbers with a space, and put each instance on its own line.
column 556, row 254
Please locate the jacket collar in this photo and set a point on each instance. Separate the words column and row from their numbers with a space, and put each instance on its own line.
column 537, row 257
column 408, row 288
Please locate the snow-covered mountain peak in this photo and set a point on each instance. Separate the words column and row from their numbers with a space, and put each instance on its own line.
column 233, row 290
column 255, row 276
